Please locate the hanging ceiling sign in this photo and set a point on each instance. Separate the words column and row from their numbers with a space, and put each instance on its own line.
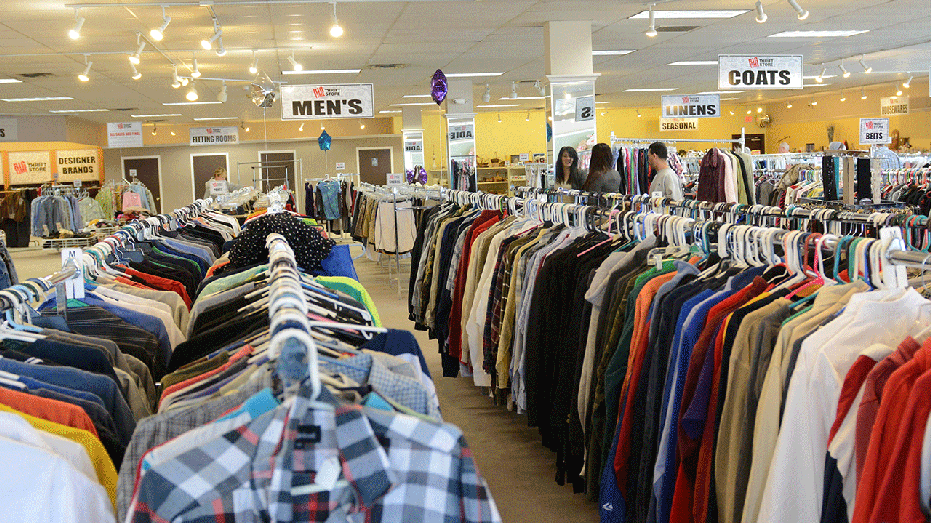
column 678, row 124
column 692, row 106
column 584, row 108
column 124, row 134
column 751, row 72
column 413, row 146
column 462, row 133
column 893, row 105
column 874, row 131
column 214, row 135
column 30, row 167
column 81, row 164
column 312, row 102
column 8, row 130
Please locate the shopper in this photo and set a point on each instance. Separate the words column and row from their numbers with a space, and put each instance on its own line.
column 568, row 175
column 218, row 176
column 665, row 183
column 602, row 178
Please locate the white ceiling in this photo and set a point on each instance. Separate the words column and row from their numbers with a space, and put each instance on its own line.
column 455, row 36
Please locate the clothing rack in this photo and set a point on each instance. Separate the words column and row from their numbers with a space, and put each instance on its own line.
column 741, row 141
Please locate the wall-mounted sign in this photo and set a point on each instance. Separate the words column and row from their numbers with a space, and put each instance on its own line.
column 874, row 131
column 214, row 135
column 585, row 108
column 692, row 106
column 311, row 102
column 340, row 166
column 8, row 130
column 395, row 179
column 678, row 124
column 81, row 164
column 30, row 167
column 125, row 134
column 894, row 105
column 752, row 72
column 461, row 133
column 413, row 146
column 524, row 157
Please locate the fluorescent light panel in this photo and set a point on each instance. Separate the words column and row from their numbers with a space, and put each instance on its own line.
column 190, row 103
column 471, row 75
column 153, row 115
column 389, row 112
column 418, row 96
column 324, row 71
column 609, row 52
column 815, row 85
column 696, row 62
column 79, row 111
column 414, row 104
column 817, row 34
column 720, row 92
column 523, row 98
column 657, row 90
column 10, row 81
column 216, row 118
column 497, row 105
column 40, row 99
column 814, row 76
column 717, row 13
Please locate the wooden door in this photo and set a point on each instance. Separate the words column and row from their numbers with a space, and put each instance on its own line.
column 755, row 142
column 374, row 165
column 146, row 171
column 203, row 167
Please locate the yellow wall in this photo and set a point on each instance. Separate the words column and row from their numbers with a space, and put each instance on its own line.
column 625, row 123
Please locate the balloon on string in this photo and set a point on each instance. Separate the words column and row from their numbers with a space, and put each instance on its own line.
column 438, row 87
column 324, row 141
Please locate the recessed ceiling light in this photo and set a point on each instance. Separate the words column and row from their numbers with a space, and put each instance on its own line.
column 815, row 85
column 191, row 103
column 62, row 111
column 389, row 112
column 154, row 115
column 498, row 105
column 817, row 34
column 324, row 71
column 696, row 62
column 471, row 75
column 609, row 52
column 39, row 99
column 720, row 92
column 10, row 81
column 216, row 118
column 661, row 89
column 417, row 96
column 691, row 14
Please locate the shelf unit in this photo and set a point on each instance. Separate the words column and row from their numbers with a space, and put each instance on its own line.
column 512, row 176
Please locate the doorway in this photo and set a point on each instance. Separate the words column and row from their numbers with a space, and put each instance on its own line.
column 374, row 164
column 755, row 142
column 203, row 167
column 148, row 170
column 276, row 167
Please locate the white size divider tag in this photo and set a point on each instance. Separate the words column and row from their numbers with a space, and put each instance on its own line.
column 327, row 479
column 74, row 286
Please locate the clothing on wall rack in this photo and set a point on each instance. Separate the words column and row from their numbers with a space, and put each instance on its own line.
column 329, row 200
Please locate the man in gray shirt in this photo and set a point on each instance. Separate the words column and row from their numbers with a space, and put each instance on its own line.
column 666, row 183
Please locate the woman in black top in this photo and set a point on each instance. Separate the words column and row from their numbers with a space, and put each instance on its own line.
column 602, row 177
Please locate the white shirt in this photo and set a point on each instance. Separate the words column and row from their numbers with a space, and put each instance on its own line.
column 667, row 183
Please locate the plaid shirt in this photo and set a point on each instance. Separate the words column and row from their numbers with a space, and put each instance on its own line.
column 395, row 467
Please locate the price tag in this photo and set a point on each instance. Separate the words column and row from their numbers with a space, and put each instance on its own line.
column 74, row 286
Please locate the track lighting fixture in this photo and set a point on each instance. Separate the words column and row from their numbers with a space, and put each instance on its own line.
column 294, row 65
column 207, row 44
column 651, row 32
column 788, row 106
column 221, row 96
column 173, row 133
column 136, row 74
column 749, row 111
column 843, row 97
column 184, row 82
column 244, row 127
column 820, row 77
column 254, row 68
column 158, row 33
column 908, row 83
column 83, row 76
column 760, row 15
column 846, row 73
column 192, row 94
column 814, row 103
column 154, row 129
column 175, row 82
column 196, row 72
column 802, row 13
column 759, row 110
column 75, row 32
column 540, row 88
column 134, row 58
column 638, row 114
column 301, row 128
column 898, row 93
column 336, row 30
column 487, row 96
column 221, row 51
column 862, row 94
column 499, row 117
column 528, row 116
column 513, row 90
column 866, row 69
column 362, row 126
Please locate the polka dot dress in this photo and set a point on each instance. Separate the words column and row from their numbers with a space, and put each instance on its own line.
column 309, row 246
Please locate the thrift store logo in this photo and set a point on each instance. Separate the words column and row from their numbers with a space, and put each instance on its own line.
column 20, row 167
column 869, row 125
column 761, row 62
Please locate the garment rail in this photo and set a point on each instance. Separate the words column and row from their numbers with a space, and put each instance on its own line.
column 742, row 141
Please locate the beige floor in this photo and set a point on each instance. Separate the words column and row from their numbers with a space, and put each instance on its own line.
column 518, row 469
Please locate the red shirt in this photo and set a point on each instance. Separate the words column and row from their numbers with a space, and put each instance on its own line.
column 848, row 393
column 244, row 352
column 480, row 225
column 161, row 283
column 48, row 409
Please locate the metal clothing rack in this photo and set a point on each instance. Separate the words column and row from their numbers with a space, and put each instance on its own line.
column 742, row 141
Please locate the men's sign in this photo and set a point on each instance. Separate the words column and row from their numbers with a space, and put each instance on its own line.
column 312, row 102
column 692, row 106
column 214, row 135
column 752, row 72
column 874, row 131
column 124, row 134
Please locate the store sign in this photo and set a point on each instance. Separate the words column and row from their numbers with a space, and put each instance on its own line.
column 214, row 135
column 413, row 146
column 893, row 106
column 678, row 124
column 462, row 133
column 585, row 109
column 311, row 102
column 126, row 134
column 8, row 130
column 524, row 157
column 81, row 164
column 874, row 131
column 692, row 106
column 395, row 179
column 218, row 187
column 30, row 167
column 340, row 166
column 751, row 72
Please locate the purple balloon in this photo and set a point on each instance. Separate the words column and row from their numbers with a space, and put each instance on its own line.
column 438, row 87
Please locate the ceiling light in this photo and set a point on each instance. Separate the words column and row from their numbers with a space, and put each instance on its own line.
column 486, row 97
column 712, row 13
column 843, row 98
column 389, row 112
column 540, row 87
column 820, row 77
column 362, row 126
column 492, row 106
column 898, row 93
column 732, row 112
column 10, row 81
column 216, row 118
column 196, row 72
column 525, row 98
column 749, row 111
column 154, row 129
column 244, row 127
column 568, row 95
column 83, row 76
column 862, row 94
column 134, row 58
column 201, row 102
column 154, row 115
column 720, row 92
column 336, row 30
column 471, row 75
column 696, row 62
column 413, row 104
column 817, row 34
column 323, row 71
column 759, row 109
column 788, row 106
column 661, row 89
column 815, row 85
column 294, row 65
column 221, row 96
column 638, row 113
column 846, row 73
column 221, row 51
column 301, row 128
column 499, row 117
column 192, row 94
column 612, row 52
column 908, row 83
column 514, row 90
column 866, row 69
column 69, row 111
column 814, row 103
column 528, row 117
column 175, row 82
column 207, row 44
column 651, row 32
column 40, row 99
column 254, row 68
column 760, row 15
column 136, row 74
column 815, row 76
column 802, row 13
column 172, row 133
column 159, row 33
column 75, row 32
column 419, row 95
column 184, row 82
